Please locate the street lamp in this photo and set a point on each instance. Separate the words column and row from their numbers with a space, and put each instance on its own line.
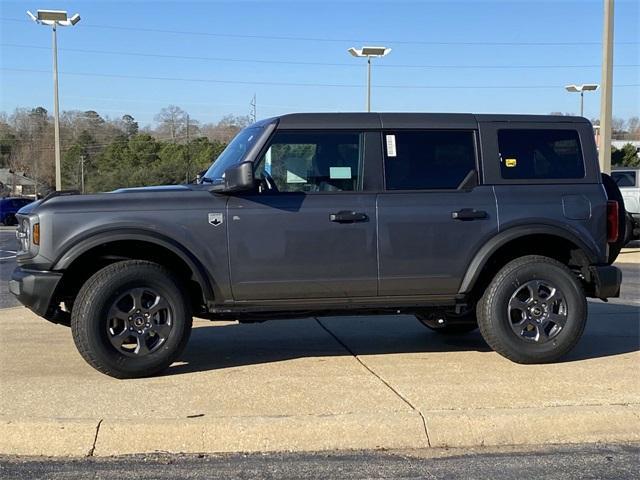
column 53, row 18
column 369, row 52
column 587, row 87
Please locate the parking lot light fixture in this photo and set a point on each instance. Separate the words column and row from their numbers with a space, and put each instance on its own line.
column 369, row 52
column 587, row 87
column 53, row 18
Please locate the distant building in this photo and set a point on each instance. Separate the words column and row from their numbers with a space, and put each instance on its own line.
column 16, row 184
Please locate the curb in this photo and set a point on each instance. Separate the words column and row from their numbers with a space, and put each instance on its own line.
column 307, row 433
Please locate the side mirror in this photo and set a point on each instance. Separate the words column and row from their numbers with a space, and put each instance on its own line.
column 239, row 178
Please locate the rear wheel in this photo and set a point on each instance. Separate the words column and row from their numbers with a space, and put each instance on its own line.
column 534, row 310
column 131, row 319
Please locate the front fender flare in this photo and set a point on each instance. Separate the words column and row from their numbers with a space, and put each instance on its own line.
column 97, row 238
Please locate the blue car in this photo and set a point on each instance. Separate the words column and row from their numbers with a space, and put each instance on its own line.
column 9, row 207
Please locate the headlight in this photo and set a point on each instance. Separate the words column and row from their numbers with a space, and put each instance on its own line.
column 23, row 234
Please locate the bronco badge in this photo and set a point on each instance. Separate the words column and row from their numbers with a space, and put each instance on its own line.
column 216, row 219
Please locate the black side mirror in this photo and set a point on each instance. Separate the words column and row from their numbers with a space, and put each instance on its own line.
column 239, row 178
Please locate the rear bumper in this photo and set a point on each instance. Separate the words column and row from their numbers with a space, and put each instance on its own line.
column 34, row 289
column 605, row 280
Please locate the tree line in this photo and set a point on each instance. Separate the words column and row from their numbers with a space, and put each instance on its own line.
column 101, row 154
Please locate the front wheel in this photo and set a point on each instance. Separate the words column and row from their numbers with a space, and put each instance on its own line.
column 131, row 319
column 534, row 310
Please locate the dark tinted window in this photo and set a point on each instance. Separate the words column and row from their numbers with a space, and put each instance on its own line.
column 625, row 179
column 540, row 154
column 313, row 161
column 428, row 159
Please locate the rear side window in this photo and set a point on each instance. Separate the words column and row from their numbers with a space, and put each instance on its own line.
column 427, row 160
column 624, row 179
column 540, row 154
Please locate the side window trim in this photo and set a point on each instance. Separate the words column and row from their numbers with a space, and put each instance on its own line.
column 470, row 181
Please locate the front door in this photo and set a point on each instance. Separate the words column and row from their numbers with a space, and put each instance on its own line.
column 310, row 232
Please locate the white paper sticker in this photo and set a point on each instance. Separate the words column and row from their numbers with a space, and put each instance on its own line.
column 294, row 178
column 340, row 172
column 391, row 145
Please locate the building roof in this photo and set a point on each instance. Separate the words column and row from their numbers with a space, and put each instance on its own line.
column 8, row 178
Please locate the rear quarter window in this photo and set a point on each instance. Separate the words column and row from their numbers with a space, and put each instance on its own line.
column 540, row 154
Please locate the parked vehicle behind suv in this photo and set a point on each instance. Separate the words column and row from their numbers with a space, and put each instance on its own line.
column 500, row 222
column 628, row 180
column 9, row 206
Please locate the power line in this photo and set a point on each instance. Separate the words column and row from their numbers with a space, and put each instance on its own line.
column 324, row 39
column 290, row 62
column 295, row 84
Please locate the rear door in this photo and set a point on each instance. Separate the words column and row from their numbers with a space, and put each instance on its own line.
column 432, row 216
column 310, row 231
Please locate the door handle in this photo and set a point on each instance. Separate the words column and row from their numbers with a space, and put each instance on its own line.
column 469, row 214
column 345, row 216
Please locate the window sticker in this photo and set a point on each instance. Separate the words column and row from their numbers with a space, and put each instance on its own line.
column 294, row 178
column 391, row 146
column 510, row 162
column 340, row 173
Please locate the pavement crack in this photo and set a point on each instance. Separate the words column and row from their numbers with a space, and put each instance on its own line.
column 95, row 439
column 372, row 372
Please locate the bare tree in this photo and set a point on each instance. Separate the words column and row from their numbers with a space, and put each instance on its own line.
column 171, row 120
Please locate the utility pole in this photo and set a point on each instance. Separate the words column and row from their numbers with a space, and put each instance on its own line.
column 186, row 180
column 253, row 114
column 82, row 173
column 604, row 152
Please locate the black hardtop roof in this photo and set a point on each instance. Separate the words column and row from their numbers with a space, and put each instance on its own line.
column 353, row 120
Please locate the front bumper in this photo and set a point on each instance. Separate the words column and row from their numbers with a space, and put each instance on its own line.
column 605, row 281
column 34, row 288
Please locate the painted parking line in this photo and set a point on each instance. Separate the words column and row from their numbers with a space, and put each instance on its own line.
column 7, row 254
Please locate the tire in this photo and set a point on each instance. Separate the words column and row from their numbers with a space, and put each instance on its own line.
column 613, row 193
column 131, row 319
column 454, row 324
column 534, row 333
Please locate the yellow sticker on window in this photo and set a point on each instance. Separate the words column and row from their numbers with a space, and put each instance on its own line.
column 511, row 162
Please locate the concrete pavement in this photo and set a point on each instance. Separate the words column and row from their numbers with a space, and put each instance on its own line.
column 311, row 385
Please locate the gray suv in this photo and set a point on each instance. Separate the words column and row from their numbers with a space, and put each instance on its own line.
column 497, row 222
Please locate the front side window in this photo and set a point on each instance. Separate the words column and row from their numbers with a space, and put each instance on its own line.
column 426, row 160
column 625, row 179
column 313, row 162
column 540, row 154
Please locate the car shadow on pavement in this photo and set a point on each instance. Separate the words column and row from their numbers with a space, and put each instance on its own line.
column 232, row 345
column 612, row 329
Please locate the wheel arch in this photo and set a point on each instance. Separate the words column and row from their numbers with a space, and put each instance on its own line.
column 547, row 240
column 114, row 245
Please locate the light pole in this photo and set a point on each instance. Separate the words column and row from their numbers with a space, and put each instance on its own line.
column 606, row 98
column 587, row 87
column 369, row 52
column 53, row 18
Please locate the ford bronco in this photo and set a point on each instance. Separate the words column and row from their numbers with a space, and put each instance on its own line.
column 497, row 222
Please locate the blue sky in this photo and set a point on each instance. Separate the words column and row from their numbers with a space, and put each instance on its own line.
column 459, row 44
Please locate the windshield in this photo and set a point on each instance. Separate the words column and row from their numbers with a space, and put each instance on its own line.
column 233, row 154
